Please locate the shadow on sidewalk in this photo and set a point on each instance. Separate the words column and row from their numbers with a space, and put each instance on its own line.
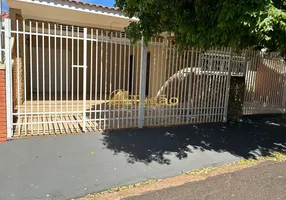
column 254, row 136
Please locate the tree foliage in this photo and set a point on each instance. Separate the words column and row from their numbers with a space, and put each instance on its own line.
column 205, row 23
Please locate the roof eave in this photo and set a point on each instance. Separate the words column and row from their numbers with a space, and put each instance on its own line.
column 90, row 8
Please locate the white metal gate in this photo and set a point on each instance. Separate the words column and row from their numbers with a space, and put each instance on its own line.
column 68, row 79
column 265, row 90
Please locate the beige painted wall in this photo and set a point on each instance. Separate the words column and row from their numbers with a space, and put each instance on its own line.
column 106, row 69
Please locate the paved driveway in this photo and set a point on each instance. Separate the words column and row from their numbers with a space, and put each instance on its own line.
column 66, row 167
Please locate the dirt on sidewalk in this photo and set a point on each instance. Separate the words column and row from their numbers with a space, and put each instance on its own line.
column 203, row 183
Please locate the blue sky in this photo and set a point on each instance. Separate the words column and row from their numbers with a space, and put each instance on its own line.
column 101, row 2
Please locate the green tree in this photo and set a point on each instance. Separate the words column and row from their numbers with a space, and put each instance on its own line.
column 205, row 23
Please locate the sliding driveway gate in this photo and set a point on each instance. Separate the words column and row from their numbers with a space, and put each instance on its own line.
column 64, row 79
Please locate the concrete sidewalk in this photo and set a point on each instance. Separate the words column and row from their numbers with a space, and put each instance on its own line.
column 66, row 167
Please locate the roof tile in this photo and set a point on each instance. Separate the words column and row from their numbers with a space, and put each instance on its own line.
column 91, row 4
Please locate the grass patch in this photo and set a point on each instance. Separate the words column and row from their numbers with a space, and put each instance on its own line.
column 277, row 157
column 124, row 187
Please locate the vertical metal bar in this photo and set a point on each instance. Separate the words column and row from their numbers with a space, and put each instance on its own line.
column 128, row 82
column 165, row 78
column 31, row 78
column 25, row 73
column 153, row 100
column 249, row 81
column 196, row 84
column 55, row 75
column 178, row 88
column 169, row 76
column 204, row 86
column 38, row 86
column 105, row 79
column 202, row 63
column 125, row 109
column 183, row 88
column 283, row 68
column 215, row 98
column 186, row 71
column 18, row 76
column 72, row 72
column 101, row 78
column 150, row 93
column 96, row 76
column 147, row 101
column 209, row 75
column 43, row 69
column 253, row 78
column 132, row 85
column 272, row 85
column 115, row 75
column 256, row 93
column 8, row 77
column 50, row 76
column 142, row 84
column 223, row 84
column 77, row 80
column 171, row 113
column 137, row 81
column 228, row 85
column 67, row 71
column 267, row 92
column 84, row 77
column 190, row 84
column 120, row 82
column 211, row 84
column 175, row 67
column 245, row 62
column 157, row 110
column 213, row 89
column 110, row 82
column 91, row 76
column 160, row 78
column 284, row 90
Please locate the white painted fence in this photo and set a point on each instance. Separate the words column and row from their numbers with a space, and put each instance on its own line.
column 71, row 79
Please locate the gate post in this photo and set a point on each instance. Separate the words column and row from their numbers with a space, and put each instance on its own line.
column 84, row 78
column 142, row 84
column 227, row 86
column 8, row 77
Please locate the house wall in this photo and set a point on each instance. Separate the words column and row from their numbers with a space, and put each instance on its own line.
column 110, row 72
column 113, row 66
column 3, row 122
column 17, row 56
